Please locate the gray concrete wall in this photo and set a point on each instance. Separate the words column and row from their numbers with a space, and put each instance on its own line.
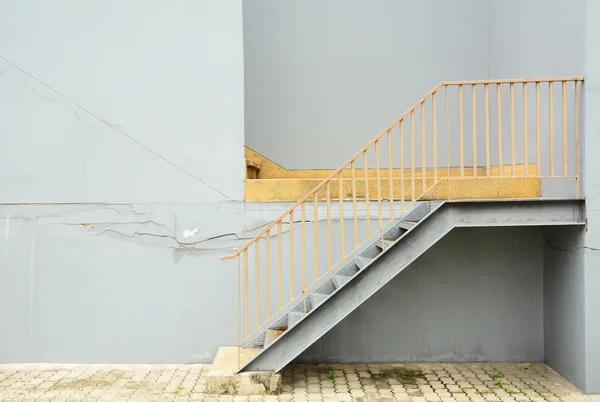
column 564, row 302
column 477, row 295
column 130, row 101
column 121, row 126
column 318, row 72
column 352, row 67
column 591, row 166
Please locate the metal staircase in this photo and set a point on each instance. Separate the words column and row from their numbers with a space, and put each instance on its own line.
column 363, row 246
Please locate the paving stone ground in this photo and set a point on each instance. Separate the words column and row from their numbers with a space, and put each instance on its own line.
column 480, row 382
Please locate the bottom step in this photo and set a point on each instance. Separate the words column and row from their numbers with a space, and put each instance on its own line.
column 221, row 377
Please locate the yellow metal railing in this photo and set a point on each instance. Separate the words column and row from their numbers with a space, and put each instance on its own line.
column 531, row 154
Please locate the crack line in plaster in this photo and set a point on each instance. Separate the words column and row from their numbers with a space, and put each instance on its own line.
column 37, row 93
column 183, row 245
column 112, row 126
column 570, row 248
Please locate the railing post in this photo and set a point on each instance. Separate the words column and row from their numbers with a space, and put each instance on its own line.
column 341, row 199
column 353, row 168
column 268, row 275
column 461, row 132
column 474, row 117
column 525, row 131
column 537, row 129
column 487, row 129
column 401, row 165
column 512, row 129
column 279, row 267
column 246, row 321
column 564, row 127
column 551, row 122
column 316, row 237
column 378, row 175
column 303, row 249
column 577, row 138
column 367, row 207
column 390, row 174
column 328, row 227
column 435, row 155
column 423, row 148
column 500, row 142
column 292, row 291
column 257, row 281
column 412, row 152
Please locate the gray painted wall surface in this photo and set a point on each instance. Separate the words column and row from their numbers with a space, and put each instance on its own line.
column 92, row 91
column 348, row 68
column 591, row 166
column 477, row 295
column 132, row 282
column 564, row 302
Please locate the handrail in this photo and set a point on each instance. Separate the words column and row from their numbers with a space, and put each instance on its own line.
column 417, row 176
column 332, row 175
column 381, row 134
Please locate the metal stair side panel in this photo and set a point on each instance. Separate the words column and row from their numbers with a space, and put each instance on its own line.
column 355, row 293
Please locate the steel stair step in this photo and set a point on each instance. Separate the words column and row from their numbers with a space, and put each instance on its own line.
column 340, row 280
column 385, row 245
column 294, row 317
column 362, row 262
column 407, row 225
column 317, row 298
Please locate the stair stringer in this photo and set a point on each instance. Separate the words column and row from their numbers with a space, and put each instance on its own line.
column 400, row 255
column 319, row 321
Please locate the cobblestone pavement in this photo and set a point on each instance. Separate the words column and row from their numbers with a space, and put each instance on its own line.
column 377, row 382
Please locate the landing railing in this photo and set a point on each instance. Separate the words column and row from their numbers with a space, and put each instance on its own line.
column 420, row 152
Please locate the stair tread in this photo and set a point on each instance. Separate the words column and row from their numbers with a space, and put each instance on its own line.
column 407, row 224
column 340, row 280
column 318, row 298
column 386, row 244
column 294, row 317
column 362, row 262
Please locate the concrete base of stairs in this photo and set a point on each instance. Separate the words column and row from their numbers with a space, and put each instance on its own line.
column 221, row 377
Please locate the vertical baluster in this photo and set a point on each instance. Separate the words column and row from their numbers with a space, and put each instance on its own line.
column 353, row 167
column 412, row 151
column 423, row 148
column 257, row 282
column 390, row 174
column 435, row 155
column 303, row 234
column 341, row 199
column 447, row 134
column 292, row 255
column 402, row 165
column 564, row 127
column 328, row 226
column 279, row 268
column 239, row 303
column 268, row 276
column 577, row 138
column 367, row 207
column 246, row 320
column 551, row 122
column 538, row 151
column 461, row 132
column 378, row 175
column 525, row 131
column 316, row 235
column 486, row 90
column 499, row 101
column 512, row 128
column 474, row 117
